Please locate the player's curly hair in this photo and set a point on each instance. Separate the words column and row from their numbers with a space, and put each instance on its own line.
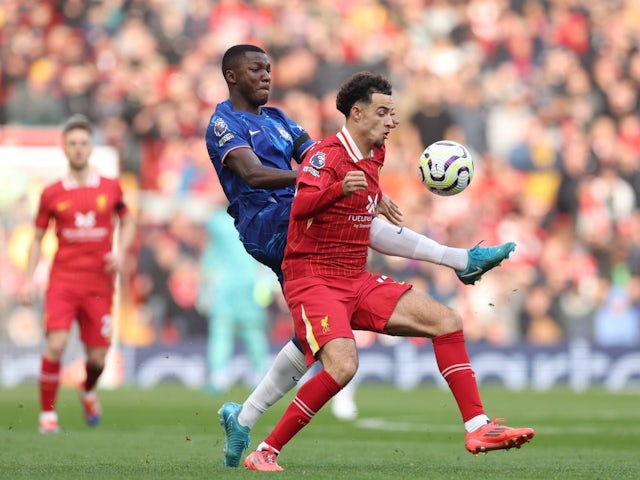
column 359, row 88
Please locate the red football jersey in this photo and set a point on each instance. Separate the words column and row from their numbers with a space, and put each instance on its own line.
column 328, row 232
column 84, row 218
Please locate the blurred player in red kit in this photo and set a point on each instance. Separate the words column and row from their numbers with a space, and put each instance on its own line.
column 85, row 208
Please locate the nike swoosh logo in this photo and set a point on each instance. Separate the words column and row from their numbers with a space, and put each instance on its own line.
column 63, row 205
column 477, row 270
column 295, row 379
column 253, row 132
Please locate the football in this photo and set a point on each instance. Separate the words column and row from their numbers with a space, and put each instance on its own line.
column 446, row 167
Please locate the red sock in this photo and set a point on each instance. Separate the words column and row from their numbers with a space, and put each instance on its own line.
column 317, row 391
column 49, row 383
column 455, row 367
column 93, row 373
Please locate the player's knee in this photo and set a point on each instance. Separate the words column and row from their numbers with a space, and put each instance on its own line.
column 451, row 321
column 55, row 347
column 446, row 320
column 97, row 357
column 54, row 351
column 344, row 373
column 342, row 370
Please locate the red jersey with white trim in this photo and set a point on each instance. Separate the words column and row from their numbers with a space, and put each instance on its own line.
column 85, row 217
column 328, row 231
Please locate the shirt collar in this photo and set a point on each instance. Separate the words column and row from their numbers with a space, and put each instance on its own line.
column 93, row 180
column 352, row 149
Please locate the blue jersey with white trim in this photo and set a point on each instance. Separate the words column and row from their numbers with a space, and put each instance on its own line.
column 274, row 138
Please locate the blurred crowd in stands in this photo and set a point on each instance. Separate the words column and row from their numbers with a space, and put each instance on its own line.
column 544, row 92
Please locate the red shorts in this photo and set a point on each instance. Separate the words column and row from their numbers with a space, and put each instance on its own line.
column 324, row 308
column 92, row 310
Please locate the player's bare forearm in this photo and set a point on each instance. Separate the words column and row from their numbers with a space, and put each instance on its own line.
column 246, row 164
column 114, row 261
column 127, row 233
column 270, row 178
column 28, row 292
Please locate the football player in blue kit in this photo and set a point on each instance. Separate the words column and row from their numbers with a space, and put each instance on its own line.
column 252, row 147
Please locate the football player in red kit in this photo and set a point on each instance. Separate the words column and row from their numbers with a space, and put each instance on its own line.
column 85, row 209
column 330, row 293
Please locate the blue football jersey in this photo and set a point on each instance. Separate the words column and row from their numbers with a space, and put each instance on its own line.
column 274, row 138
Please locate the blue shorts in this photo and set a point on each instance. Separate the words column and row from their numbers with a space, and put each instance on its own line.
column 266, row 236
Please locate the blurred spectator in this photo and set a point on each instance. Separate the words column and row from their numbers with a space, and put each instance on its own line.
column 430, row 116
column 537, row 320
column 36, row 100
column 617, row 320
column 158, row 255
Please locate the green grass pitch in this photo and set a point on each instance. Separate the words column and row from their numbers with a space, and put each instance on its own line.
column 172, row 432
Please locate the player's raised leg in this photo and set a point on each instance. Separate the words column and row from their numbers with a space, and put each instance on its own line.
column 469, row 264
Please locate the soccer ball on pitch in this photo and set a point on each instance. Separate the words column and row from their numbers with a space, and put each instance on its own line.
column 446, row 167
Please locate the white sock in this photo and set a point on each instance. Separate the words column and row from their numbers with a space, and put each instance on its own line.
column 456, row 258
column 404, row 242
column 50, row 415
column 266, row 446
column 476, row 422
column 288, row 367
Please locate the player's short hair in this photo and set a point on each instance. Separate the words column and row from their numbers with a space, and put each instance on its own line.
column 77, row 121
column 233, row 53
column 359, row 88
